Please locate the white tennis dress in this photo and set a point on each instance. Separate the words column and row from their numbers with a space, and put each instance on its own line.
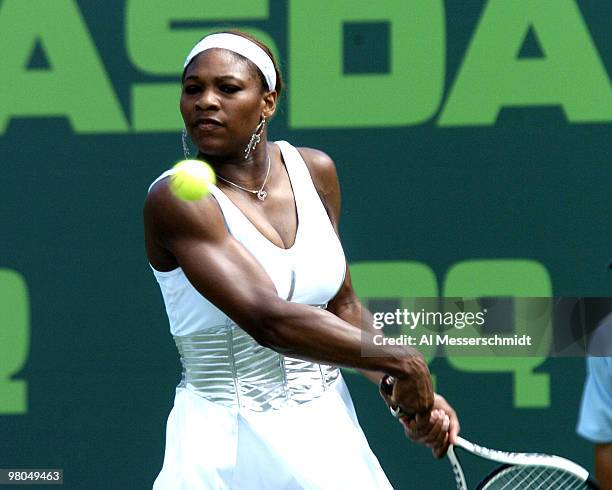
column 246, row 417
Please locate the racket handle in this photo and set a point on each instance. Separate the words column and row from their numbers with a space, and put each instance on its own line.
column 457, row 470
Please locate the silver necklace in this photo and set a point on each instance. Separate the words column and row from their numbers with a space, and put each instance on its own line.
column 261, row 194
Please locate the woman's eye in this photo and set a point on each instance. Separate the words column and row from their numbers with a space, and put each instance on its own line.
column 191, row 89
column 229, row 89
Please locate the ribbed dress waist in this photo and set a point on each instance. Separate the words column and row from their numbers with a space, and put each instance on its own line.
column 226, row 365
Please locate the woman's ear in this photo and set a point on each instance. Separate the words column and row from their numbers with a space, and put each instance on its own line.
column 269, row 101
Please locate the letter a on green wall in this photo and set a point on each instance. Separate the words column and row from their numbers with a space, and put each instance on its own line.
column 492, row 76
column 75, row 84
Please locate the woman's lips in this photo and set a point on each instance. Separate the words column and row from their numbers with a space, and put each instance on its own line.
column 208, row 124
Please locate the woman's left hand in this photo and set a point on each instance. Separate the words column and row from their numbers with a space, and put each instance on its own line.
column 437, row 430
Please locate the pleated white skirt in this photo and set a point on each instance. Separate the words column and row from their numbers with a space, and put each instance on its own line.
column 317, row 445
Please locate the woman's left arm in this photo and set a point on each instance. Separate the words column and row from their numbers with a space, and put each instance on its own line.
column 429, row 430
column 435, row 430
column 345, row 304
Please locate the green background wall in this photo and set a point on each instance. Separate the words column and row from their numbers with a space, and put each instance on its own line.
column 472, row 132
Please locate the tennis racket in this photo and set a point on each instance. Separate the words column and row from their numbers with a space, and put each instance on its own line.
column 522, row 471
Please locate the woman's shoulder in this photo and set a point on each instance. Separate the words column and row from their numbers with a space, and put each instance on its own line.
column 325, row 179
column 317, row 160
column 322, row 170
column 166, row 214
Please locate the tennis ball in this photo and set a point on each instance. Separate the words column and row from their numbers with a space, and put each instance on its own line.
column 191, row 179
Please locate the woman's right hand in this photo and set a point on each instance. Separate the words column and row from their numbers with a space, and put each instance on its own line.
column 437, row 430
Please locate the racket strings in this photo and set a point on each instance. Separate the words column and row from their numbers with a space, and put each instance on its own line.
column 534, row 478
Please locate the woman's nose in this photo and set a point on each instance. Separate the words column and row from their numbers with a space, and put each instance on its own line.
column 208, row 99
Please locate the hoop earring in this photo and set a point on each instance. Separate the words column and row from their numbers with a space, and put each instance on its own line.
column 186, row 151
column 255, row 138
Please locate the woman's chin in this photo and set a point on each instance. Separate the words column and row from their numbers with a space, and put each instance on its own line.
column 218, row 150
column 212, row 148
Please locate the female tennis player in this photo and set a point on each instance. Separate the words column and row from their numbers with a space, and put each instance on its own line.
column 260, row 302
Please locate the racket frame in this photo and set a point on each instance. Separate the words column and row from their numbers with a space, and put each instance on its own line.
column 511, row 459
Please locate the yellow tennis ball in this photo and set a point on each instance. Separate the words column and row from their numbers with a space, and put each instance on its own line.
column 191, row 179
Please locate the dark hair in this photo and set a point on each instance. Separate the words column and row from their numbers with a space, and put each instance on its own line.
column 279, row 78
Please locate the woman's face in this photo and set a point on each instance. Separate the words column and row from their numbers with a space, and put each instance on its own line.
column 222, row 102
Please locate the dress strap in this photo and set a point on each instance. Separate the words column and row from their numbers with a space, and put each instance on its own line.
column 168, row 172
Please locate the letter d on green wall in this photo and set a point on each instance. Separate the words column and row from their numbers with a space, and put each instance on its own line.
column 322, row 96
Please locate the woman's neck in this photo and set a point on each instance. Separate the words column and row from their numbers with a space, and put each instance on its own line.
column 248, row 172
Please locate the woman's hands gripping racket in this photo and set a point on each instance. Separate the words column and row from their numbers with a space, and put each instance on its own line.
column 436, row 427
column 524, row 471
column 519, row 471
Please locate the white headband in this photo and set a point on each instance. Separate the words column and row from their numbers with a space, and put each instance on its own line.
column 242, row 46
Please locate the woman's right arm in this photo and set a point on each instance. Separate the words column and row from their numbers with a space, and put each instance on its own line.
column 223, row 271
